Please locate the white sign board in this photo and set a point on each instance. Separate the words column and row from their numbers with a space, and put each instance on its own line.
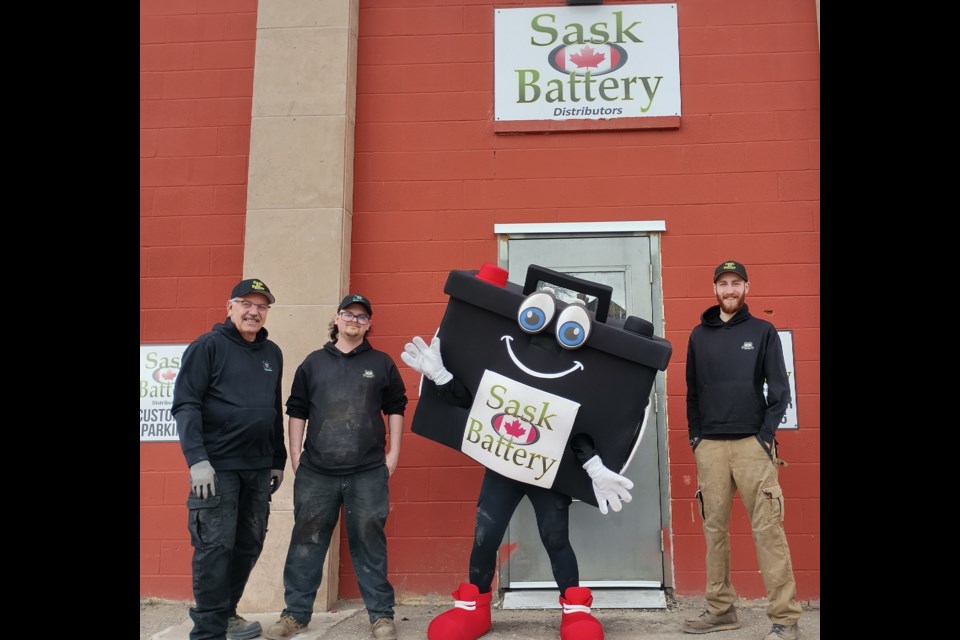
column 519, row 431
column 159, row 367
column 586, row 62
column 789, row 420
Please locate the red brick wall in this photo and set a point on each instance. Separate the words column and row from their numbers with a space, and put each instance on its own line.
column 196, row 85
column 739, row 179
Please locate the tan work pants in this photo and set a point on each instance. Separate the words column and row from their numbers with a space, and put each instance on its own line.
column 724, row 467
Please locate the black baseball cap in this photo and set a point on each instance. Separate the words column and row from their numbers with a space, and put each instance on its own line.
column 355, row 298
column 731, row 266
column 252, row 286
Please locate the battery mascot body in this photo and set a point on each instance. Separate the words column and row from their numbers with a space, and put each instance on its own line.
column 548, row 397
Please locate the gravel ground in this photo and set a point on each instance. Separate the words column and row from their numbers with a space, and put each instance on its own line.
column 157, row 616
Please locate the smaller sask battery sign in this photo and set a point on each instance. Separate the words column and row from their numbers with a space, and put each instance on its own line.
column 790, row 420
column 159, row 366
column 586, row 63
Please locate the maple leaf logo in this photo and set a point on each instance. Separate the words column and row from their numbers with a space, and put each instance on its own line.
column 165, row 375
column 587, row 57
column 517, row 429
column 514, row 428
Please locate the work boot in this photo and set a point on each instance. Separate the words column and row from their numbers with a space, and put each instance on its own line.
column 240, row 629
column 286, row 627
column 384, row 629
column 707, row 622
column 576, row 622
column 784, row 632
column 468, row 620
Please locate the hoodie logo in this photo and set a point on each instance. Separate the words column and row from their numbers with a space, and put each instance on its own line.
column 367, row 373
column 747, row 346
column 266, row 366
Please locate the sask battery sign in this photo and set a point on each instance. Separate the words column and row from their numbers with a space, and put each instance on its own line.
column 159, row 366
column 586, row 63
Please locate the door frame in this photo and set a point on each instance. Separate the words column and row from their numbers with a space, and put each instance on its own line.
column 653, row 229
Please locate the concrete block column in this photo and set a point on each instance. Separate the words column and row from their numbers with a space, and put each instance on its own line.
column 299, row 215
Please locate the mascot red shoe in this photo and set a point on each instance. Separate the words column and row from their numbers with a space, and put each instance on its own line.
column 469, row 619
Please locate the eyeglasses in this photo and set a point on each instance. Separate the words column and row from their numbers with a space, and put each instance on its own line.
column 247, row 305
column 346, row 316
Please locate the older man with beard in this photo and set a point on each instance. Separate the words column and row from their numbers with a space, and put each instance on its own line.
column 732, row 425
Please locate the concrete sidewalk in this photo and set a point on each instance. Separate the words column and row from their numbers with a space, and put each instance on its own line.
column 348, row 621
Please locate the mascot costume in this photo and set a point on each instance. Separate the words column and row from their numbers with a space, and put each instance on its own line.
column 550, row 397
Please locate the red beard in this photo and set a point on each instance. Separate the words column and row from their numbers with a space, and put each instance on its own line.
column 730, row 305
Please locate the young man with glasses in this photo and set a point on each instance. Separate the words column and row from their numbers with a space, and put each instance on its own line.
column 339, row 397
column 228, row 407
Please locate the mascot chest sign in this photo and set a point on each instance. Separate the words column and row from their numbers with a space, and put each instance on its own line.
column 517, row 430
column 540, row 371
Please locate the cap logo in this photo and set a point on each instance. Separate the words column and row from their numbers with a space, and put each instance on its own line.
column 729, row 265
column 259, row 286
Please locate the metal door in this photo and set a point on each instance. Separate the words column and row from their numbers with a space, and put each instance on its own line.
column 620, row 550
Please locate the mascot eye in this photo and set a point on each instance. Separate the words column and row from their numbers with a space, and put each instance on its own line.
column 536, row 312
column 573, row 326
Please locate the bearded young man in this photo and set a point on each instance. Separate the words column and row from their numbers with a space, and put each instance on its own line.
column 732, row 425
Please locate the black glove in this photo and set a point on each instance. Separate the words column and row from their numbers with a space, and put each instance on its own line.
column 276, row 477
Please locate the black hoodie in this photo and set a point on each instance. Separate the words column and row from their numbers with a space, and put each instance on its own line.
column 227, row 401
column 343, row 397
column 727, row 364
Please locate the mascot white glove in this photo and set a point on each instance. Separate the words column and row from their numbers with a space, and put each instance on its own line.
column 608, row 486
column 426, row 360
column 202, row 476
